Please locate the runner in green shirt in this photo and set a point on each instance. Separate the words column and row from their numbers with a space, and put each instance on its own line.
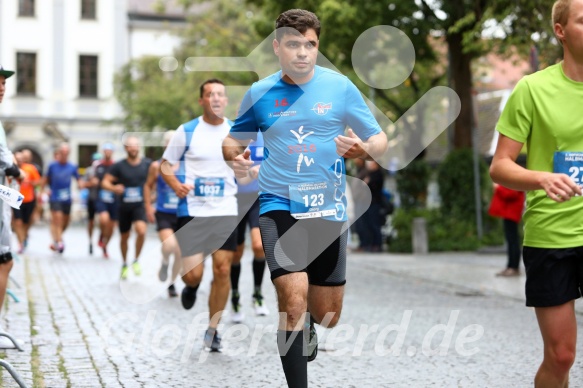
column 543, row 113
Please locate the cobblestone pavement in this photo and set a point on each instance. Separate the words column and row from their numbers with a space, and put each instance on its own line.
column 408, row 321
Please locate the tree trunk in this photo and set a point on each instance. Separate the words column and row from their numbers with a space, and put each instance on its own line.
column 461, row 77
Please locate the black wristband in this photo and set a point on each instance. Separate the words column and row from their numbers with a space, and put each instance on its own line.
column 12, row 171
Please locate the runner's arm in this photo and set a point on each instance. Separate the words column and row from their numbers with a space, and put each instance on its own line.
column 181, row 189
column 148, row 187
column 505, row 171
column 44, row 181
column 108, row 183
column 353, row 147
column 237, row 157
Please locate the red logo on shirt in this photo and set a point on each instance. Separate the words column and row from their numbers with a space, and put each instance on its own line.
column 282, row 102
column 321, row 109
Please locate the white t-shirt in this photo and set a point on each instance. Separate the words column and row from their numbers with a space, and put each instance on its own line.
column 203, row 166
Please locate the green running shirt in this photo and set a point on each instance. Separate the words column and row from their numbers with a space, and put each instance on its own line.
column 544, row 111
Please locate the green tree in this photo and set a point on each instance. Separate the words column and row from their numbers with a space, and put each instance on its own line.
column 163, row 94
column 463, row 24
column 453, row 30
column 460, row 24
column 152, row 98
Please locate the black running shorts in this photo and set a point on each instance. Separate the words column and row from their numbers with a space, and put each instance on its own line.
column 248, row 206
column 130, row 214
column 25, row 211
column 553, row 276
column 91, row 209
column 315, row 246
column 166, row 221
column 63, row 207
column 110, row 207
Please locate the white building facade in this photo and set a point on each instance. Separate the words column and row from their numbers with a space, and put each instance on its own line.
column 66, row 53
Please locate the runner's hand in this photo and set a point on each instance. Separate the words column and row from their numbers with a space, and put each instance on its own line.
column 242, row 163
column 119, row 189
column 183, row 189
column 559, row 187
column 254, row 172
column 350, row 146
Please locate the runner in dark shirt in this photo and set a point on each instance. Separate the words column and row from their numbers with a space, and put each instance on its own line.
column 130, row 175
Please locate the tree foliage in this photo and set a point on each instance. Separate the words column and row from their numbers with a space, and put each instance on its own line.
column 154, row 96
column 447, row 36
column 460, row 25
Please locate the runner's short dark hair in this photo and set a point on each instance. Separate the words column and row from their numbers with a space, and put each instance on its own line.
column 299, row 20
column 210, row 81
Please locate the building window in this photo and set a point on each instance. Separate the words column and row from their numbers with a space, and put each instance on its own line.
column 85, row 153
column 26, row 73
column 88, row 76
column 25, row 7
column 88, row 9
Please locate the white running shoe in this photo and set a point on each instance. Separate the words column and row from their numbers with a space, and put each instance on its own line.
column 236, row 314
column 260, row 309
column 237, row 317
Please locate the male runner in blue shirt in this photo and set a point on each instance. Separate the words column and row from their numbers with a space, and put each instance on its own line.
column 302, row 112
column 58, row 177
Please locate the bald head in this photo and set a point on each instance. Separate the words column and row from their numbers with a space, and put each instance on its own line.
column 62, row 153
column 132, row 146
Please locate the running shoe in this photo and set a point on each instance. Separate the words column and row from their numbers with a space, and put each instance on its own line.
column 172, row 291
column 91, row 249
column 188, row 297
column 124, row 272
column 105, row 255
column 237, row 316
column 312, row 343
column 61, row 247
column 163, row 273
column 260, row 309
column 137, row 268
column 212, row 340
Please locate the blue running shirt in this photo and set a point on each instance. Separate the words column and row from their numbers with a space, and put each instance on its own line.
column 60, row 177
column 299, row 124
column 166, row 198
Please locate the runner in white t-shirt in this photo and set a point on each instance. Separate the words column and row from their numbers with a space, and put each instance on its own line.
column 207, row 210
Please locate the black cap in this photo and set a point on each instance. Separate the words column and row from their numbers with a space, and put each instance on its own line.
column 6, row 73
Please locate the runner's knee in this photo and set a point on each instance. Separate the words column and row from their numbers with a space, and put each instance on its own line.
column 562, row 358
column 192, row 278
column 222, row 270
